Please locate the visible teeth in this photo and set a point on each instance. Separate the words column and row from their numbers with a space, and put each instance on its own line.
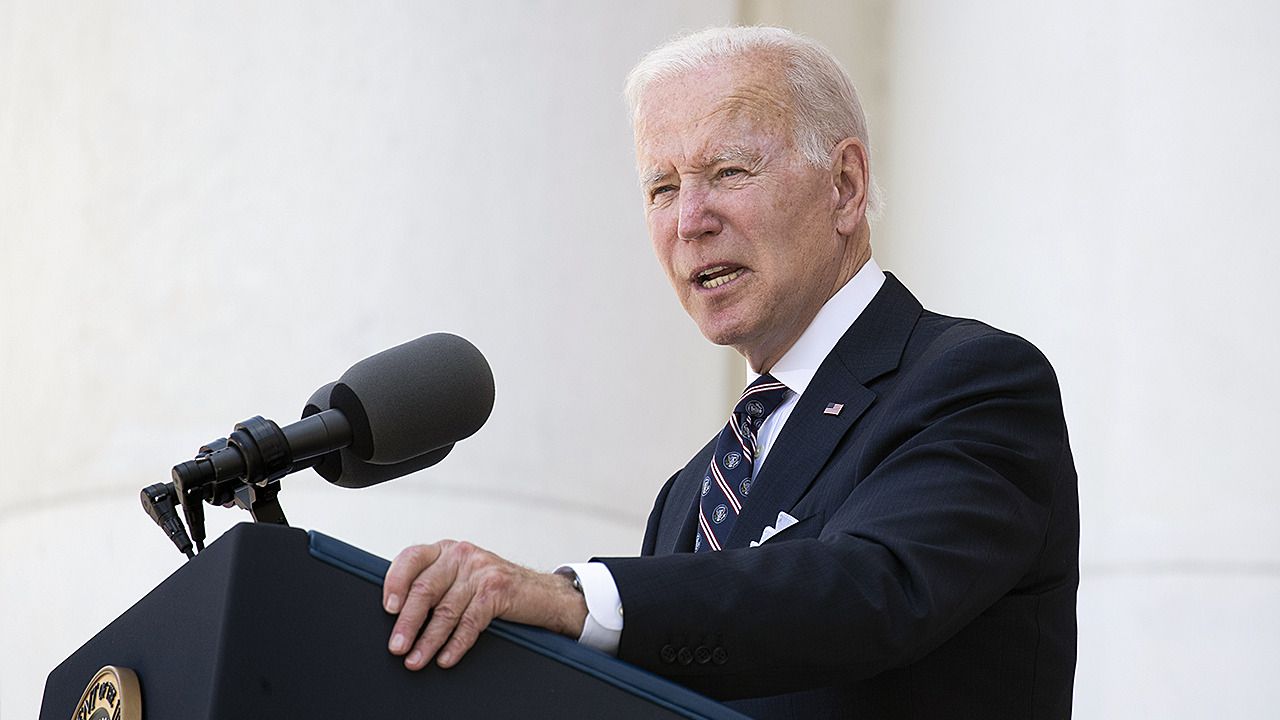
column 716, row 282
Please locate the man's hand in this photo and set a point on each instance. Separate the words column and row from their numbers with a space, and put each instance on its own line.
column 456, row 588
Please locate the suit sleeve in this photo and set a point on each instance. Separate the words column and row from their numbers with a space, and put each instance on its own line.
column 934, row 506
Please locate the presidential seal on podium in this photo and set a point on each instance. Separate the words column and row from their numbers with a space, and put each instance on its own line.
column 113, row 694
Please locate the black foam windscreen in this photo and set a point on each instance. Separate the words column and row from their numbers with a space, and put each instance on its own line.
column 344, row 469
column 414, row 398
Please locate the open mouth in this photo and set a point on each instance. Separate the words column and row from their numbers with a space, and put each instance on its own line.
column 714, row 277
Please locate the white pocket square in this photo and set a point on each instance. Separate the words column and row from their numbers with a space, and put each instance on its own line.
column 783, row 522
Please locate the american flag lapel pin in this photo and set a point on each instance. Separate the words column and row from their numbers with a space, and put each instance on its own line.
column 833, row 409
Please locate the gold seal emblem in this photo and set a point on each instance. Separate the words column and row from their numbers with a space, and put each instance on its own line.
column 113, row 694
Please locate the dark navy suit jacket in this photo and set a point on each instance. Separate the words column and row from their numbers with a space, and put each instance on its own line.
column 933, row 570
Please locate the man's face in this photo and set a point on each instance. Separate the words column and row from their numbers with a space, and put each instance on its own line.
column 745, row 230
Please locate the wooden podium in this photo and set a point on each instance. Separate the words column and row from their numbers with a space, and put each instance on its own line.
column 276, row 623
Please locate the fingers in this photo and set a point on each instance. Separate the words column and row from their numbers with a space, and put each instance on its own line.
column 417, row 580
column 414, row 583
column 447, row 593
column 433, row 588
column 456, row 623
column 406, row 567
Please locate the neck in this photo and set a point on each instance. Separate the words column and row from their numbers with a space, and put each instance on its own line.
column 762, row 359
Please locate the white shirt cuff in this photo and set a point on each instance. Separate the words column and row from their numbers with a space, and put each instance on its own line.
column 603, row 628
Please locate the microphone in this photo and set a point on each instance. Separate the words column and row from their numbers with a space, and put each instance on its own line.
column 346, row 469
column 390, row 414
column 414, row 398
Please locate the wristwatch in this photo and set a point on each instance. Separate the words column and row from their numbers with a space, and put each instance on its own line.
column 573, row 577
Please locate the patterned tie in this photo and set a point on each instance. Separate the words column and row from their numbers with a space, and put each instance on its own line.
column 728, row 480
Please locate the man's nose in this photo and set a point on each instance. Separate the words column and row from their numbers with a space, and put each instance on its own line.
column 697, row 217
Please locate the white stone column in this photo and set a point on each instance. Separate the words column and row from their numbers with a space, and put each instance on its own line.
column 1101, row 177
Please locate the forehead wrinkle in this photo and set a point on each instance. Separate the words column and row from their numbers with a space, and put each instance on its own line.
column 758, row 104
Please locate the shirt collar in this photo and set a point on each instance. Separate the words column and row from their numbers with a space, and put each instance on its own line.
column 796, row 368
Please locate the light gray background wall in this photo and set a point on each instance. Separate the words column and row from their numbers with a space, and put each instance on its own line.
column 209, row 210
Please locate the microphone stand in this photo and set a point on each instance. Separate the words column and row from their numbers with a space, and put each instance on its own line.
column 243, row 470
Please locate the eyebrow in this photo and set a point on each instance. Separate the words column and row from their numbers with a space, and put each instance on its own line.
column 652, row 177
column 732, row 155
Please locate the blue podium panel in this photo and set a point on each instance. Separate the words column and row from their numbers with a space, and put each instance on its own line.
column 269, row 622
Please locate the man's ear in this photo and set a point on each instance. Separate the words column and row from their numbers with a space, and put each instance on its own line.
column 852, row 175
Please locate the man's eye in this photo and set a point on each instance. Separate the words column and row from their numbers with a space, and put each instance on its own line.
column 730, row 172
column 661, row 189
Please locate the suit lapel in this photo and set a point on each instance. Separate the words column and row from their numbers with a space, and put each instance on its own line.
column 802, row 448
column 679, row 525
column 871, row 347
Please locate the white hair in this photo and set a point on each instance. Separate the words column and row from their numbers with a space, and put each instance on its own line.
column 825, row 105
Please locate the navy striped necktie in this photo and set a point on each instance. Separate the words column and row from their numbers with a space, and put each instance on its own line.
column 728, row 480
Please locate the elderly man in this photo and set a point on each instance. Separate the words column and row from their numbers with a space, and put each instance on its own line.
column 888, row 524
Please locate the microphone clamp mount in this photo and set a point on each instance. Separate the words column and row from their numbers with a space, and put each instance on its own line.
column 244, row 470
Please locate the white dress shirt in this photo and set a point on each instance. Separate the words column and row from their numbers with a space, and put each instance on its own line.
column 795, row 369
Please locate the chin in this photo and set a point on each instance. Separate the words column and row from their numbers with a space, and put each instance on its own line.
column 721, row 334
column 730, row 324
